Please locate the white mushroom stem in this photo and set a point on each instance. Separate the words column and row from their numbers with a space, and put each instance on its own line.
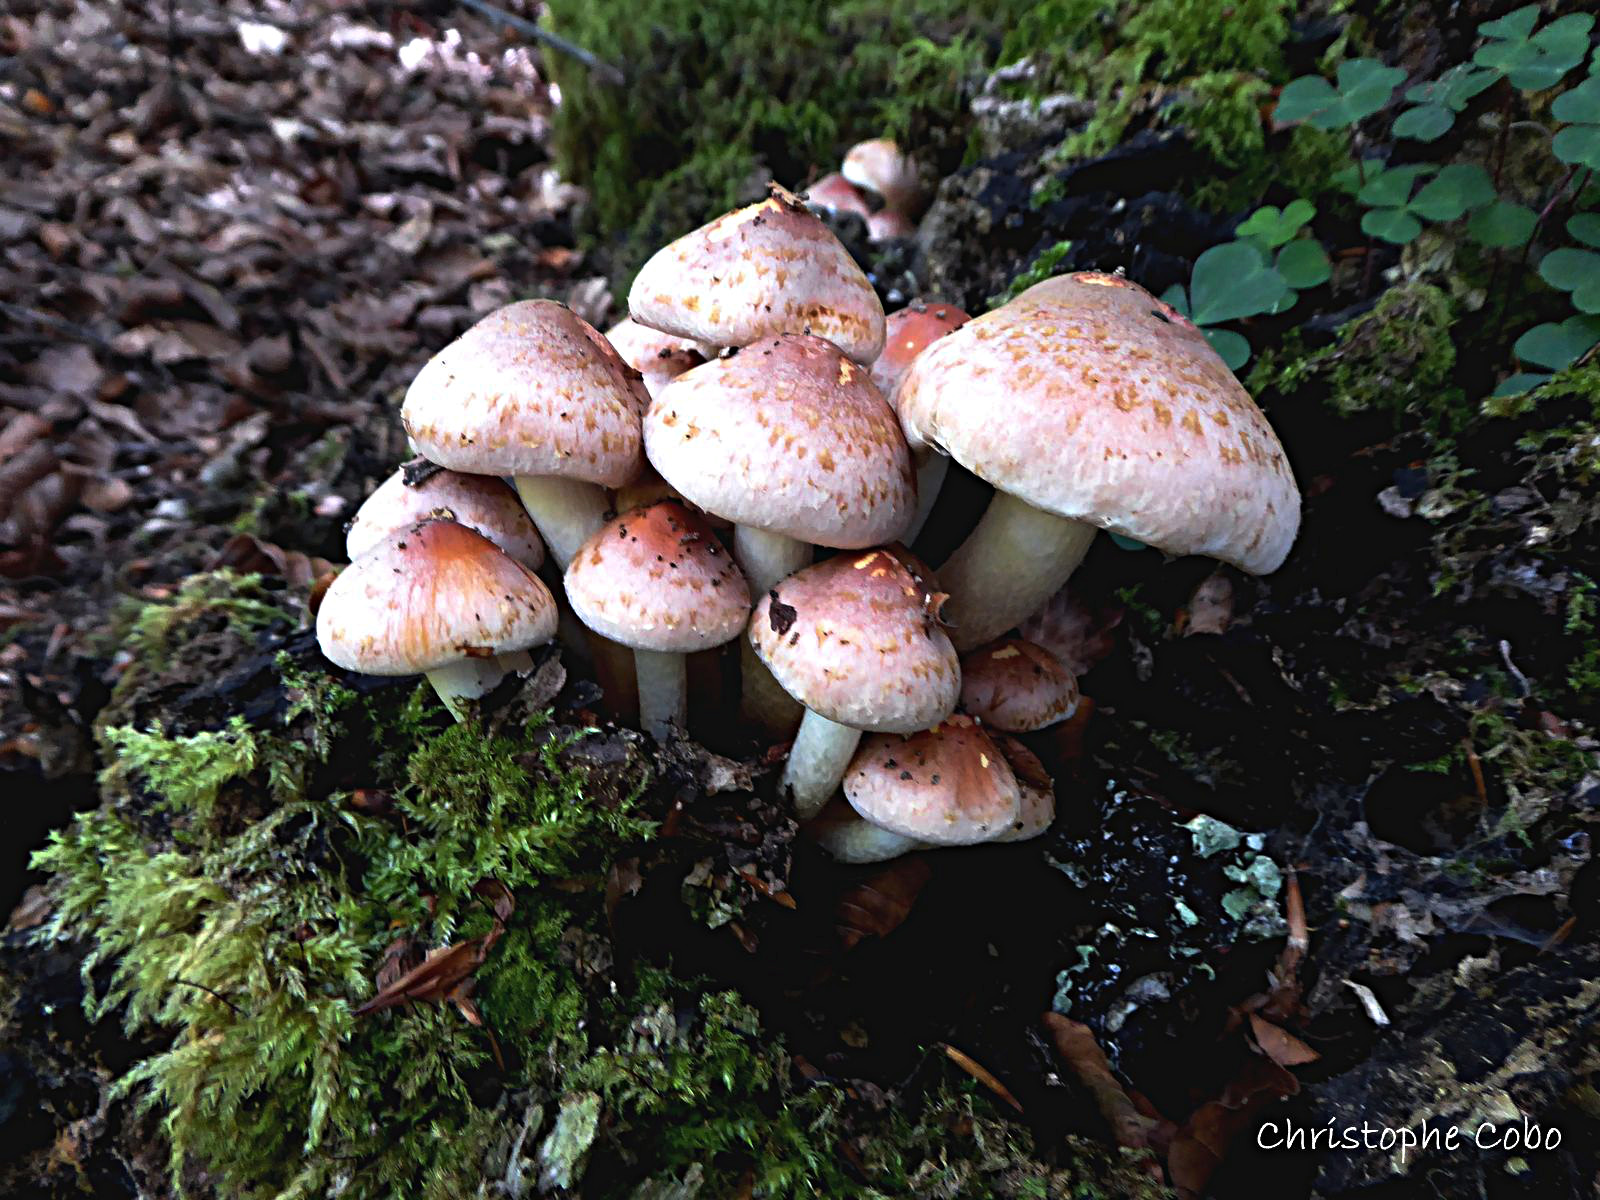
column 818, row 759
column 767, row 558
column 663, row 691
column 567, row 511
column 1015, row 560
column 467, row 679
column 931, row 470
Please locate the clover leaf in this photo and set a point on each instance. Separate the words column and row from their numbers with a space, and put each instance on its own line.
column 1534, row 61
column 1502, row 224
column 1231, row 281
column 1438, row 102
column 1520, row 383
column 1453, row 192
column 1272, row 226
column 1388, row 195
column 1586, row 228
column 1559, row 346
column 1575, row 271
column 1579, row 142
column 1361, row 87
column 1303, row 263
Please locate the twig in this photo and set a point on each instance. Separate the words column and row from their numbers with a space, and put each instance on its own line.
column 555, row 41
column 211, row 992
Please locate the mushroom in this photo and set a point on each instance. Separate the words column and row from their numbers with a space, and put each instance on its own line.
column 851, row 838
column 790, row 441
column 1076, row 634
column 835, row 193
column 658, row 356
column 949, row 785
column 439, row 599
column 479, row 502
column 1038, row 791
column 1089, row 403
column 535, row 392
column 856, row 639
column 1016, row 686
column 656, row 579
column 889, row 223
column 907, row 333
column 771, row 268
column 880, row 167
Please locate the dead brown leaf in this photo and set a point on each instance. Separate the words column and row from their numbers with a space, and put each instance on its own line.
column 1076, row 1044
column 878, row 905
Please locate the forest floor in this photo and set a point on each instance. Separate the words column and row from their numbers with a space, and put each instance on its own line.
column 227, row 242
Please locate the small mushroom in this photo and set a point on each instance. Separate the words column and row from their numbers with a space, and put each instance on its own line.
column 1038, row 791
column 949, row 785
column 438, row 599
column 656, row 579
column 856, row 639
column 658, row 356
column 771, row 268
column 907, row 333
column 479, row 502
column 1088, row 404
column 535, row 392
column 1016, row 686
column 889, row 223
column 835, row 193
column 881, row 167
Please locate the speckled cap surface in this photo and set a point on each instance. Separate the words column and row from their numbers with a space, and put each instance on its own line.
column 790, row 436
column 657, row 356
column 656, row 578
column 1089, row 398
column 532, row 389
column 1016, row 686
column 479, row 502
column 907, row 333
column 1038, row 807
column 948, row 785
column 856, row 639
column 431, row 594
column 773, row 267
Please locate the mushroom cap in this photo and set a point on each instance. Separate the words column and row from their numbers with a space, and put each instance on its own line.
column 431, row 594
column 1089, row 398
column 1038, row 790
column 851, row 838
column 948, row 785
column 773, row 267
column 480, row 502
column 658, row 356
column 857, row 639
column 1079, row 636
column 837, row 194
column 790, row 436
column 880, row 166
column 656, row 578
column 1017, row 686
column 532, row 389
column 907, row 333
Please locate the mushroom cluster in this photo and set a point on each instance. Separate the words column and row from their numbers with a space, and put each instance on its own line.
column 757, row 408
column 878, row 182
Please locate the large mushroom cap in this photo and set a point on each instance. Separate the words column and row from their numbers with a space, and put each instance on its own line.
column 948, row 785
column 656, row 578
column 907, row 333
column 789, row 436
column 773, row 267
column 428, row 595
column 1088, row 398
column 479, row 502
column 658, row 356
column 856, row 639
column 532, row 389
column 1016, row 686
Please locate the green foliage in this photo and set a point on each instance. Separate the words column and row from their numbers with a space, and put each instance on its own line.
column 1438, row 102
column 1362, row 87
column 185, row 773
column 1042, row 268
column 1530, row 60
column 239, row 600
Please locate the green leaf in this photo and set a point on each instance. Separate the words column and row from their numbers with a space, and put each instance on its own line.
column 1502, row 224
column 1575, row 271
column 1453, row 192
column 1303, row 263
column 1521, row 382
column 1425, row 123
column 1455, row 88
column 1586, row 228
column 1579, row 145
column 1306, row 99
column 1272, row 227
column 1364, row 85
column 1579, row 105
column 1393, row 187
column 1514, row 26
column 1558, row 346
column 1232, row 281
column 1533, row 63
column 1391, row 225
column 1350, row 178
column 1177, row 297
column 1232, row 347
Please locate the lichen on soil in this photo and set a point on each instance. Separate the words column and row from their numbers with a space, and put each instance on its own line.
column 644, row 984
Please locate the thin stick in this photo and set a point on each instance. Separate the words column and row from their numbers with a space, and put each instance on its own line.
column 555, row 41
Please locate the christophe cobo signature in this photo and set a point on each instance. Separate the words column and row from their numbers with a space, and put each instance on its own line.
column 1488, row 1135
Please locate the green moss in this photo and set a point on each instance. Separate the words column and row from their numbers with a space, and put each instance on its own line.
column 238, row 602
column 1042, row 268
